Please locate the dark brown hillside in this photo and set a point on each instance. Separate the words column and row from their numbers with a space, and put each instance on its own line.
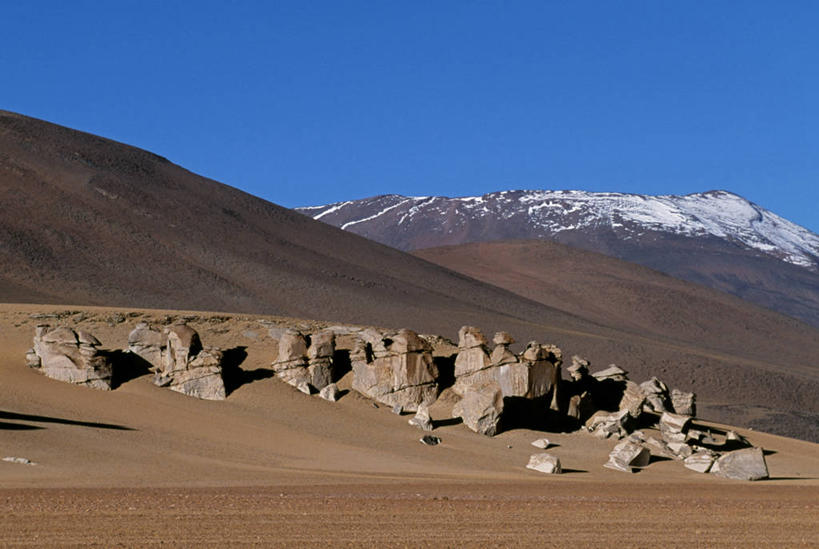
column 87, row 221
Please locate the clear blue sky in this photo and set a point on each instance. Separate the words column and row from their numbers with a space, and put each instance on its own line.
column 311, row 102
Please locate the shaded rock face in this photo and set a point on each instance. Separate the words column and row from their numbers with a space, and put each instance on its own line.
column 395, row 369
column 745, row 464
column 481, row 409
column 532, row 375
column 65, row 355
column 306, row 360
column 187, row 368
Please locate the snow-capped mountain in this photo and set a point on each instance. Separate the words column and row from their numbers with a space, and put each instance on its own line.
column 715, row 238
column 546, row 214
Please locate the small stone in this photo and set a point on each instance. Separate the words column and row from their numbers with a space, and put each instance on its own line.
column 681, row 450
column 545, row 463
column 421, row 418
column 430, row 440
column 20, row 460
column 304, row 387
column 398, row 409
column 330, row 392
column 542, row 443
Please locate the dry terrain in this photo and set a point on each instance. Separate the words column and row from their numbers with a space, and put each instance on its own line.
column 142, row 466
column 85, row 220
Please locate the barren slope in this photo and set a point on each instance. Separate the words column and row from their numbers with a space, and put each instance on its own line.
column 84, row 220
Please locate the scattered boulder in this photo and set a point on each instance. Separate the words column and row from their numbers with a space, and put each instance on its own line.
column 604, row 424
column 658, row 448
column 395, row 369
column 65, row 355
column 674, row 426
column 657, row 396
column 680, row 450
column 545, row 463
column 633, row 399
column 700, row 462
column 421, row 418
column 542, row 443
column 683, row 403
column 745, row 464
column 430, row 440
column 613, row 372
column 628, row 455
column 330, row 392
column 481, row 409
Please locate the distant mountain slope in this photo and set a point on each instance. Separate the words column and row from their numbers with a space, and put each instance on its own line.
column 87, row 221
column 716, row 238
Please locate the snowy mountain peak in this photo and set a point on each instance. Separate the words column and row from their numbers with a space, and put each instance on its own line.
column 434, row 220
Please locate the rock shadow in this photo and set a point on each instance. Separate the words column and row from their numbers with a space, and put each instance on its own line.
column 446, row 422
column 47, row 419
column 126, row 366
column 446, row 371
column 341, row 364
column 18, row 427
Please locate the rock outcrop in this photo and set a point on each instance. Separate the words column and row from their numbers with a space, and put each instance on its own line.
column 74, row 357
column 395, row 369
column 683, row 403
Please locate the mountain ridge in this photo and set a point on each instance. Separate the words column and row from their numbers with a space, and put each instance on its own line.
column 716, row 238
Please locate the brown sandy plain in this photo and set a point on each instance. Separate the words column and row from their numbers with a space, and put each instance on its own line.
column 270, row 466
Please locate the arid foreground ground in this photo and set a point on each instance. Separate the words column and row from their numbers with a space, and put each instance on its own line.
column 142, row 465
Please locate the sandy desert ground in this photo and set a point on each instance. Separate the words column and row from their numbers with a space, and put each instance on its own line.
column 144, row 466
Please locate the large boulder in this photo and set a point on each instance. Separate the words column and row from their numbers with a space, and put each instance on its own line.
column 545, row 463
column 745, row 464
column 65, row 355
column 187, row 368
column 684, row 403
column 306, row 360
column 481, row 409
column 628, row 455
column 395, row 369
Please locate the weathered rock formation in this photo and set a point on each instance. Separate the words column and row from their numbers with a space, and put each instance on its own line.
column 421, row 418
column 473, row 364
column 395, row 369
column 63, row 354
column 187, row 368
column 306, row 362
